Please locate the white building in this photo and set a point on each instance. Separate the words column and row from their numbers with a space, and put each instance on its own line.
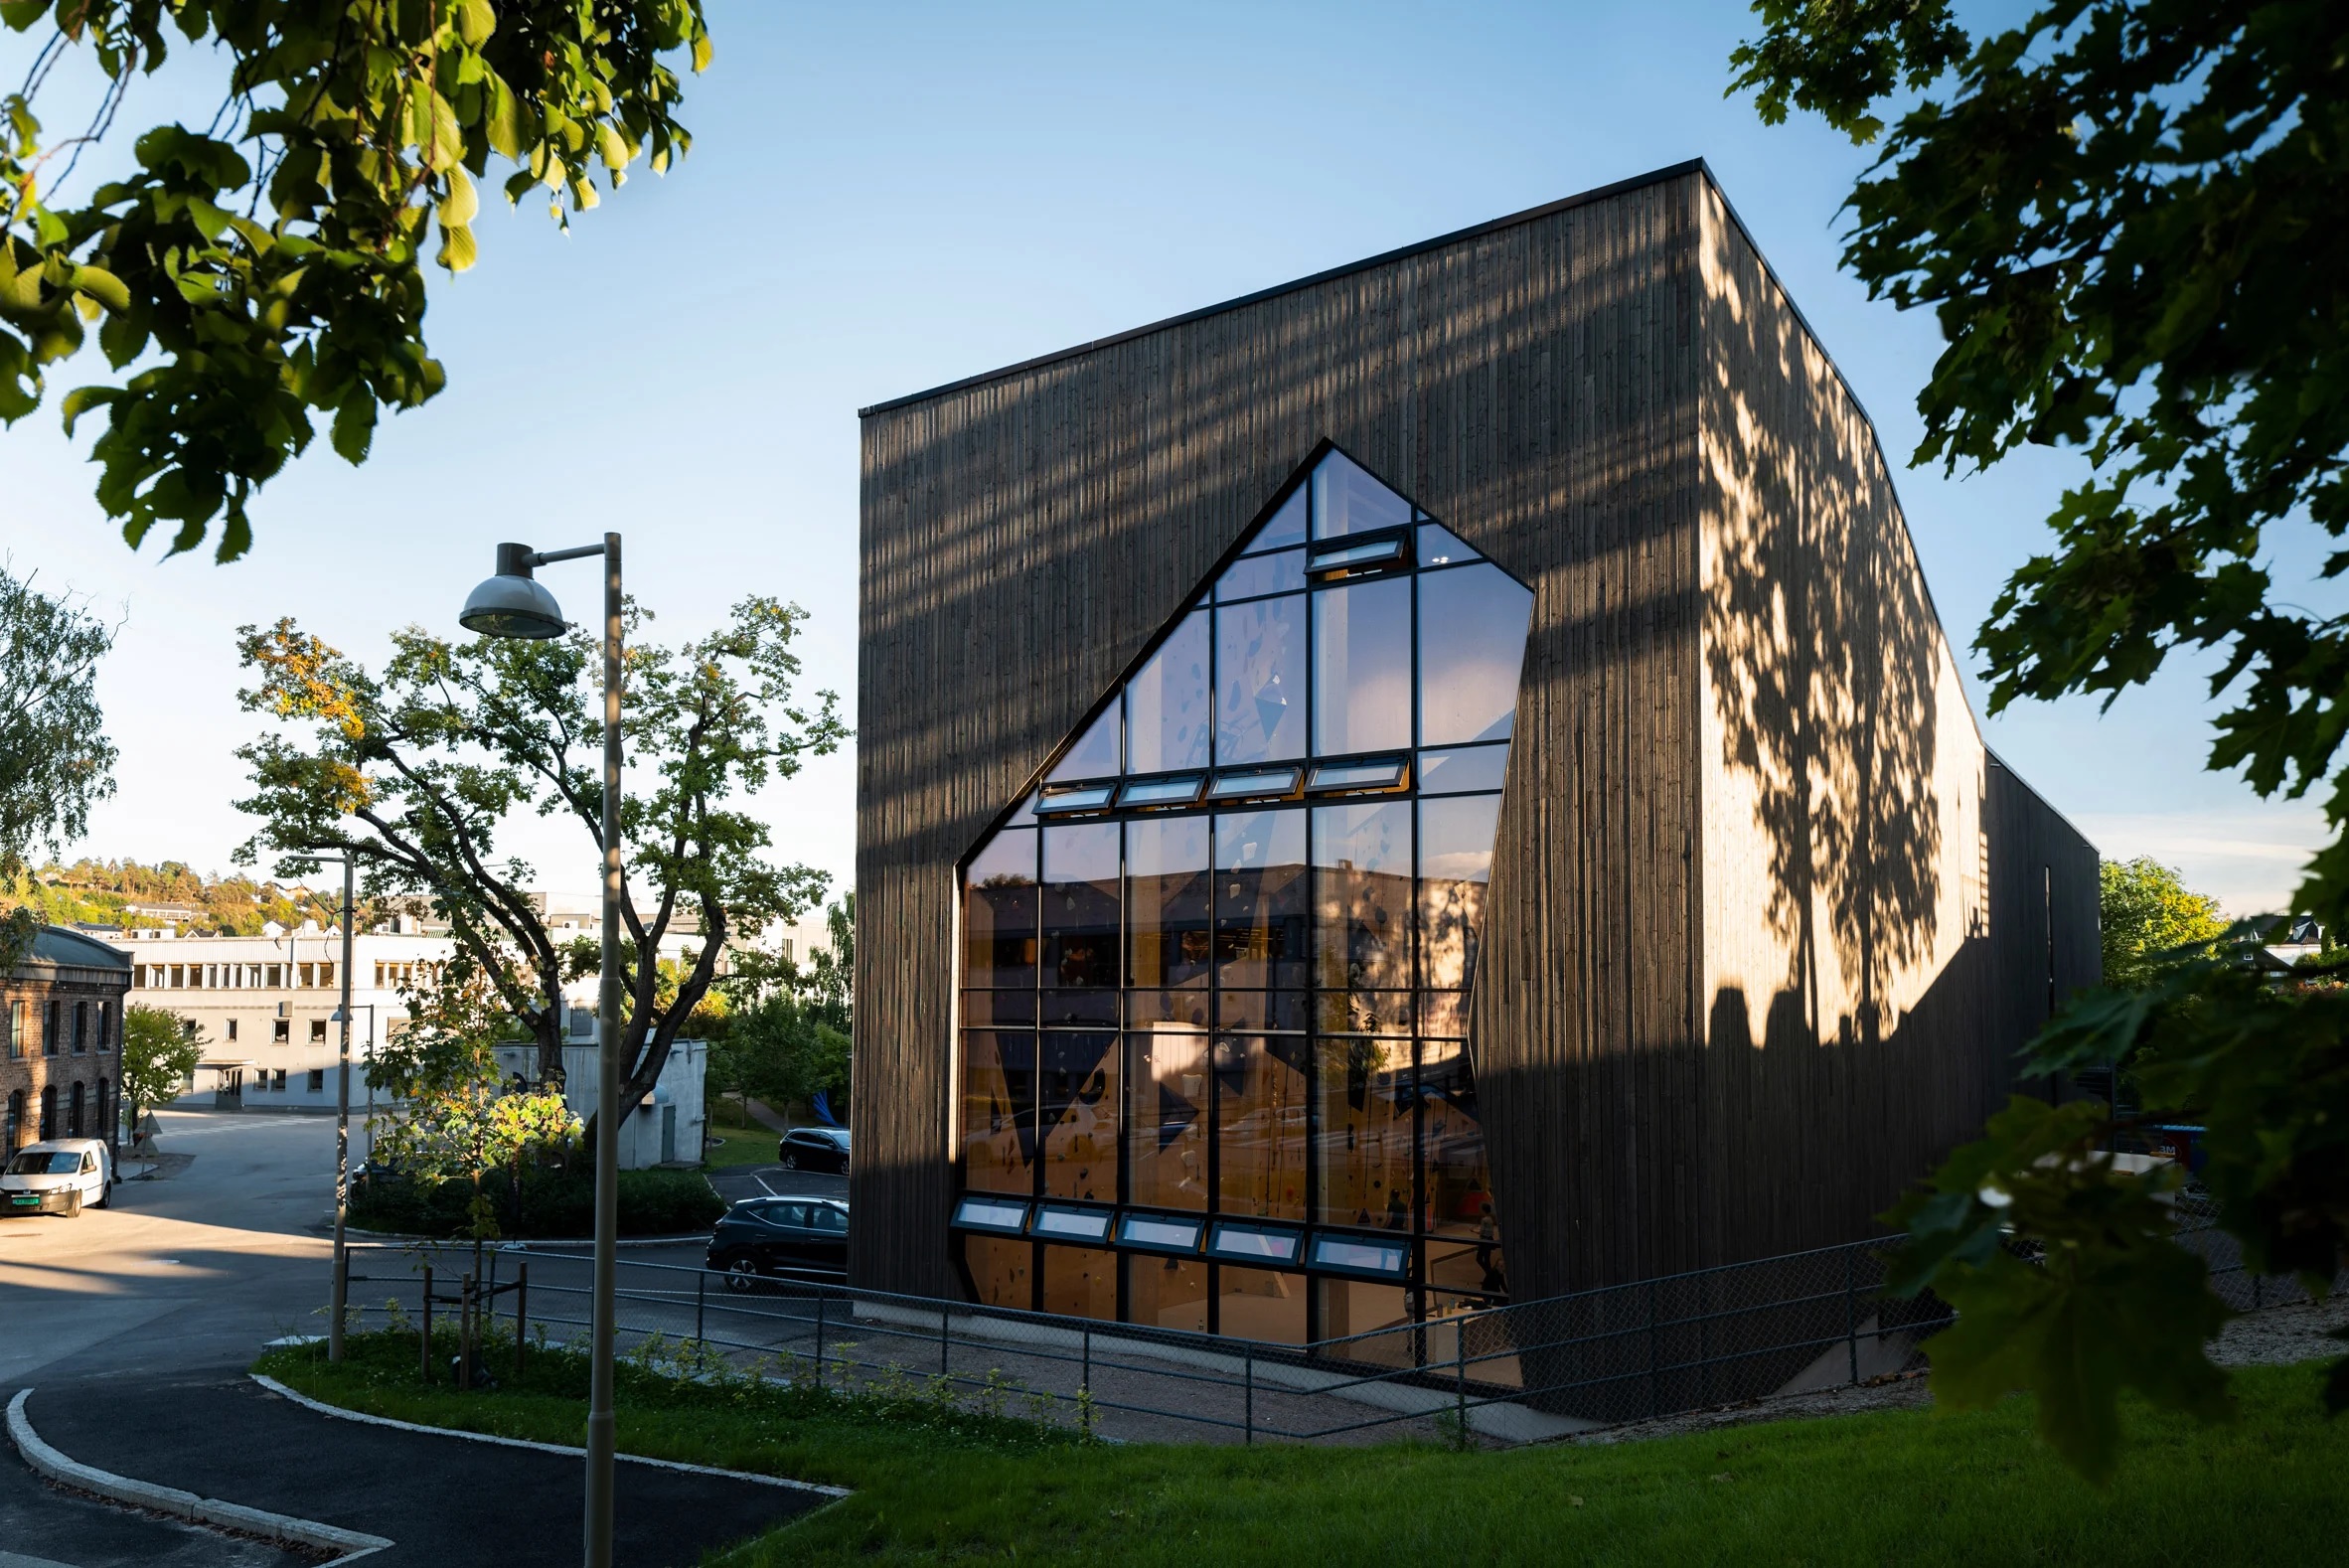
column 669, row 1124
column 263, row 1004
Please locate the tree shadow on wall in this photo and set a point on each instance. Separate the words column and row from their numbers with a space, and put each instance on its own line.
column 1821, row 650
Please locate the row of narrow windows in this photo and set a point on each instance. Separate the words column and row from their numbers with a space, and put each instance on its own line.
column 271, row 977
column 88, row 1112
column 68, row 1028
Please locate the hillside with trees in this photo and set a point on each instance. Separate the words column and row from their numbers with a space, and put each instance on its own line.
column 109, row 892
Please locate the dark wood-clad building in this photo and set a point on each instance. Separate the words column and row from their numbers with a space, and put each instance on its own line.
column 1437, row 783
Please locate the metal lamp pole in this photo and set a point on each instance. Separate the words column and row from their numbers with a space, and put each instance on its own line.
column 513, row 604
column 342, row 1285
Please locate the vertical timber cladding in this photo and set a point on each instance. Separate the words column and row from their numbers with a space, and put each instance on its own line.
column 1878, row 888
column 1532, row 383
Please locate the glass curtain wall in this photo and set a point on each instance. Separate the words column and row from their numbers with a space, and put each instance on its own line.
column 1215, row 974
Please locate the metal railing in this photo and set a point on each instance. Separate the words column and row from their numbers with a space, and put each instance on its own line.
column 1799, row 1323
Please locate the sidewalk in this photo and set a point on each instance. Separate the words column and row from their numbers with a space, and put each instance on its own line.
column 442, row 1500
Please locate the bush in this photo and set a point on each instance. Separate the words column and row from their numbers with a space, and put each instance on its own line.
column 553, row 1203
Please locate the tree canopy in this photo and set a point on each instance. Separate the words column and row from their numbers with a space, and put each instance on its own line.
column 56, row 761
column 160, row 1049
column 2150, row 921
column 2126, row 215
column 416, row 771
column 266, row 271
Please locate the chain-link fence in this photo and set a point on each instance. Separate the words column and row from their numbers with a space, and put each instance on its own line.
column 1793, row 1324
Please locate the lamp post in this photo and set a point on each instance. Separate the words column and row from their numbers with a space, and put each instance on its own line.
column 368, row 1118
column 513, row 604
column 339, row 1291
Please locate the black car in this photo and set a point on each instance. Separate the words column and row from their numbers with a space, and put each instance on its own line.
column 773, row 1236
column 815, row 1148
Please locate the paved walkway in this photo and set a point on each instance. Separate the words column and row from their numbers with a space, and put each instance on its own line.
column 443, row 1500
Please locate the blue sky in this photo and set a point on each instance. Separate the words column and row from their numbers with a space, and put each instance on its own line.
column 884, row 197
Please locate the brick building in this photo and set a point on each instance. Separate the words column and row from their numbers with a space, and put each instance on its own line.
column 61, row 1013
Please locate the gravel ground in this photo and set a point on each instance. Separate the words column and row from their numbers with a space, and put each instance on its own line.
column 2276, row 1336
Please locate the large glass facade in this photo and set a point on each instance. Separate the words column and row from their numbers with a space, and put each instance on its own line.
column 1213, row 1027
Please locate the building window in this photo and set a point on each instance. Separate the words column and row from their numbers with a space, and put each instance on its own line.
column 100, row 1125
column 231, row 1031
column 326, row 976
column 80, row 1028
column 105, row 1028
column 282, row 1031
column 53, row 1025
column 48, row 1111
column 305, row 975
column 318, row 1032
column 275, row 976
column 1250, row 1001
column 15, row 1130
column 278, row 1083
column 16, row 1032
column 317, row 1080
column 138, row 977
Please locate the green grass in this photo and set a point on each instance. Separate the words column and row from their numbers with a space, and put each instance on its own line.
column 743, row 1146
column 1891, row 1487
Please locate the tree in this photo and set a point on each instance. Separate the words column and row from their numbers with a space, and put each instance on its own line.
column 2126, row 215
column 2150, row 921
column 159, row 1051
column 268, row 269
column 415, row 771
column 55, row 759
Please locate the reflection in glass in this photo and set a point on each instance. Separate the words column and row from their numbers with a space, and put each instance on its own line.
column 1261, row 1012
column 999, row 912
column 999, row 1008
column 1167, row 918
column 998, row 1111
column 1382, row 1313
column 1260, row 681
column 1260, row 898
column 1362, row 1140
column 1363, row 896
column 1078, row 1106
column 1285, row 526
column 1071, row 1006
column 1362, row 667
column 1253, row 576
column 1253, row 784
column 1001, row 1271
column 1439, row 546
column 1454, row 871
column 1347, row 500
column 1166, row 1292
column 1467, row 771
column 1260, row 1304
column 1180, row 790
column 1081, row 1281
column 1167, row 1124
column 1095, row 756
column 1146, row 1010
column 1080, row 904
column 1444, row 1014
column 1167, row 703
column 1451, row 1144
column 1472, row 644
column 1260, row 1125
column 1362, row 1011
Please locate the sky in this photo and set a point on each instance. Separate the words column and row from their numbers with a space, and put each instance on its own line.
column 884, row 197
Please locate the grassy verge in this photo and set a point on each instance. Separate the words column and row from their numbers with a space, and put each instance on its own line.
column 1901, row 1487
column 743, row 1146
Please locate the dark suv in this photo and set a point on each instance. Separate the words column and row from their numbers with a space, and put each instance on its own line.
column 815, row 1148
column 770, row 1236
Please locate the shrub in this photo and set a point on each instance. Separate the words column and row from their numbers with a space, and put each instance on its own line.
column 552, row 1203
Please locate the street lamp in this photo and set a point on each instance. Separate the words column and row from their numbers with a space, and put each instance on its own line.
column 513, row 604
column 338, row 1297
column 341, row 1014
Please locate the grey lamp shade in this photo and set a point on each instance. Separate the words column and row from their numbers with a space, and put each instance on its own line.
column 512, row 606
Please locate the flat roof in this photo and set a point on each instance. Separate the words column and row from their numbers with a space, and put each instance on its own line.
column 1419, row 247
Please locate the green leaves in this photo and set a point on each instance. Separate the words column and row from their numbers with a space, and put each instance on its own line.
column 262, row 293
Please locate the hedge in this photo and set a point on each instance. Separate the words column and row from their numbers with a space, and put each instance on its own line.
column 554, row 1205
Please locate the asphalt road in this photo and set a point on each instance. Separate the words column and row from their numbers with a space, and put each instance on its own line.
column 136, row 1325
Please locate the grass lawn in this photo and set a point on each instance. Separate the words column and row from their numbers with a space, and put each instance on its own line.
column 1892, row 1487
column 743, row 1146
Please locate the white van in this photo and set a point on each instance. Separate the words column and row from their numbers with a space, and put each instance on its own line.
column 57, row 1175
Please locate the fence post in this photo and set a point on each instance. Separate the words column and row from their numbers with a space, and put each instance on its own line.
column 1851, row 1308
column 466, row 1304
column 1460, row 1378
column 424, row 1353
column 700, row 1304
column 943, row 1341
column 522, row 1312
column 1248, row 1410
column 1085, row 1377
column 1655, row 1367
column 818, row 1336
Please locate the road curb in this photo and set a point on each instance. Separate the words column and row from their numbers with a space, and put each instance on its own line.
column 348, row 1545
column 341, row 1414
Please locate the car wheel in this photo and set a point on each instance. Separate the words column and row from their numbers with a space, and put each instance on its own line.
column 741, row 1275
column 106, row 1196
column 72, row 1202
column 791, row 1161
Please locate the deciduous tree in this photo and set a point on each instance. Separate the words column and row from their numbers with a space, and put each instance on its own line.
column 266, row 271
column 2151, row 920
column 160, row 1049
